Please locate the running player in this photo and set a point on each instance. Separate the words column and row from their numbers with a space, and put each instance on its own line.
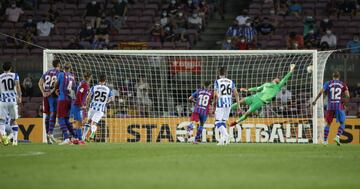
column 99, row 96
column 64, row 86
column 266, row 93
column 10, row 91
column 224, row 89
column 47, row 88
column 203, row 99
column 79, row 106
column 338, row 94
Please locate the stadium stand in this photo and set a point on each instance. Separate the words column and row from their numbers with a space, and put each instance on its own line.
column 129, row 24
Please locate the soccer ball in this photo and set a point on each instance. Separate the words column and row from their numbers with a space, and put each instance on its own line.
column 309, row 69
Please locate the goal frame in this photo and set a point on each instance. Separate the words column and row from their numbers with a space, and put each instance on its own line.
column 315, row 118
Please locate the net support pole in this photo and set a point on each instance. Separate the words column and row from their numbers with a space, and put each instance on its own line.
column 45, row 68
column 315, row 112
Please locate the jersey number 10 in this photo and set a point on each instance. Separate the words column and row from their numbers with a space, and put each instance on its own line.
column 9, row 84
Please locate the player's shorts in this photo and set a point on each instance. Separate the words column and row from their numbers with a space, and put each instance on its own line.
column 10, row 109
column 195, row 116
column 63, row 108
column 95, row 115
column 50, row 103
column 338, row 114
column 254, row 103
column 222, row 114
column 76, row 113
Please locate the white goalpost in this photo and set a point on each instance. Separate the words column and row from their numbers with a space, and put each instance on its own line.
column 151, row 88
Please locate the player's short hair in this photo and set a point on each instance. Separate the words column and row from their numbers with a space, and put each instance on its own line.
column 7, row 66
column 222, row 71
column 56, row 63
column 102, row 78
column 207, row 83
column 336, row 74
column 67, row 66
column 87, row 74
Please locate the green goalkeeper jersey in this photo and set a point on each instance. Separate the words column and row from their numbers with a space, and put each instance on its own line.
column 268, row 91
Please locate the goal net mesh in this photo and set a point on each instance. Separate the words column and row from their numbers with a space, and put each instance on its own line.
column 151, row 90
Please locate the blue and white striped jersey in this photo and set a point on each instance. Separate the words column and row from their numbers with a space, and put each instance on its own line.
column 100, row 95
column 8, row 87
column 224, row 88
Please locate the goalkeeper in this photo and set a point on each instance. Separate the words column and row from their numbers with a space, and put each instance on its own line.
column 266, row 93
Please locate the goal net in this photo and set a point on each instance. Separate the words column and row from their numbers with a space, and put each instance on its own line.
column 151, row 90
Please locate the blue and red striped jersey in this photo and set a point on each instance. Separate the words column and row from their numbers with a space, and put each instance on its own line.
column 66, row 83
column 203, row 98
column 49, row 78
column 81, row 93
column 335, row 90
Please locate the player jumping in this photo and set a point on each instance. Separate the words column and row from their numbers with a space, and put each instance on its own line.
column 338, row 94
column 10, row 91
column 47, row 88
column 79, row 105
column 99, row 96
column 202, row 99
column 64, row 84
column 266, row 93
column 224, row 89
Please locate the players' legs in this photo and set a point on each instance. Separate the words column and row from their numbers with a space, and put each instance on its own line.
column 70, row 127
column 221, row 116
column 328, row 118
column 254, row 104
column 195, row 118
column 46, row 109
column 3, row 137
column 94, row 121
column 52, row 117
column 200, row 128
column 340, row 117
column 13, row 114
column 62, row 114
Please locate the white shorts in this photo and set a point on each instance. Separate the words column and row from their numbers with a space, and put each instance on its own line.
column 222, row 114
column 94, row 115
column 10, row 109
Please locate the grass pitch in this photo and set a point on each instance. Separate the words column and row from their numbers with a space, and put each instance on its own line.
column 180, row 166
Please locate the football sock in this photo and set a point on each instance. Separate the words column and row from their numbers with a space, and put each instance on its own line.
column 63, row 128
column 47, row 122
column 79, row 133
column 15, row 129
column 2, row 130
column 326, row 132
column 340, row 130
column 93, row 131
column 242, row 118
column 52, row 120
column 198, row 133
column 223, row 131
column 86, row 131
column 70, row 127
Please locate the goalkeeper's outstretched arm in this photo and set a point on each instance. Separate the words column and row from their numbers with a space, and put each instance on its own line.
column 287, row 76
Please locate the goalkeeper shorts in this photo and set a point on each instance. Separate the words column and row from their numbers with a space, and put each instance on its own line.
column 254, row 103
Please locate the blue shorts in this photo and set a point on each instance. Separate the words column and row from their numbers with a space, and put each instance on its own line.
column 338, row 114
column 52, row 103
column 76, row 113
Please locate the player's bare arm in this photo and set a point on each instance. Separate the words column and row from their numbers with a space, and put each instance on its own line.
column 41, row 87
column 237, row 98
column 191, row 99
column 318, row 96
column 18, row 91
